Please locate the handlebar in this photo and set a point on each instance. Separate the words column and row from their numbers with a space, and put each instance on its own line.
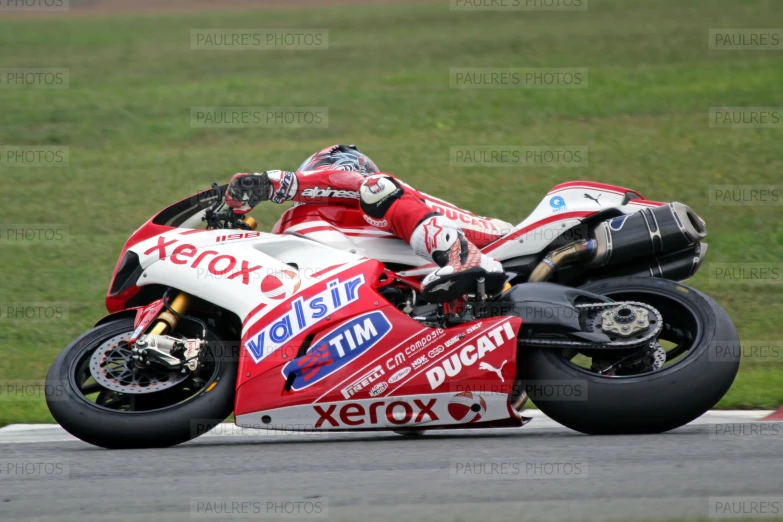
column 225, row 218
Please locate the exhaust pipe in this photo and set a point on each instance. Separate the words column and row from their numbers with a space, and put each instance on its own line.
column 569, row 253
column 649, row 232
column 661, row 233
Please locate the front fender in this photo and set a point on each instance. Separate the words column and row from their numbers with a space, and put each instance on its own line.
column 130, row 313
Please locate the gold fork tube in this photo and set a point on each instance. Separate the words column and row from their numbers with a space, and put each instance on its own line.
column 167, row 321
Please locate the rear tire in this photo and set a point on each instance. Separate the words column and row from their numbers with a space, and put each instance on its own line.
column 156, row 428
column 649, row 403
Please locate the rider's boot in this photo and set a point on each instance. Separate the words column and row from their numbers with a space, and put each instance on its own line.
column 461, row 263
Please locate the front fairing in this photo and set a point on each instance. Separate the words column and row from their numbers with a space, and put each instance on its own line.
column 184, row 213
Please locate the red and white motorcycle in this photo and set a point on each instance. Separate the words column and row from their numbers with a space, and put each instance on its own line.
column 320, row 325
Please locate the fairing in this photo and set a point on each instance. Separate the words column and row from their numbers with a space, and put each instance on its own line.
column 320, row 347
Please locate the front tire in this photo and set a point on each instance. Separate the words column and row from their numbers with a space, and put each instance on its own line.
column 162, row 423
column 652, row 402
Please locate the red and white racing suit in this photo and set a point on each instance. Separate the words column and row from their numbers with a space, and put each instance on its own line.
column 437, row 230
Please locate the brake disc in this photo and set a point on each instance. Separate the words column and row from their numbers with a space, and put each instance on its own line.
column 113, row 367
column 648, row 320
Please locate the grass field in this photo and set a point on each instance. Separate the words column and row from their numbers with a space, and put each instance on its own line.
column 385, row 79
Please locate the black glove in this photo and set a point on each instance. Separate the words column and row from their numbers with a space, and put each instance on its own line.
column 245, row 191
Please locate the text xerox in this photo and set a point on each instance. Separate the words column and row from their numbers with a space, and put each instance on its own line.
column 394, row 413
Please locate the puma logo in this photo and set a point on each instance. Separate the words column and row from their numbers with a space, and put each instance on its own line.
column 588, row 196
column 488, row 367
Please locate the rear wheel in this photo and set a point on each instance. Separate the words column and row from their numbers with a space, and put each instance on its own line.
column 646, row 393
column 131, row 407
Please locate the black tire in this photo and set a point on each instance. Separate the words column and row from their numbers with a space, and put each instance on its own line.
column 156, row 428
column 649, row 403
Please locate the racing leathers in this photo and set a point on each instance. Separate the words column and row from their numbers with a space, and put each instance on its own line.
column 436, row 230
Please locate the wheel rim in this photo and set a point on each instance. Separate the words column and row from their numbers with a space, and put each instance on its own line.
column 682, row 331
column 124, row 389
column 113, row 367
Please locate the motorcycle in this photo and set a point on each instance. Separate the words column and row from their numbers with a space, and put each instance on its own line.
column 322, row 325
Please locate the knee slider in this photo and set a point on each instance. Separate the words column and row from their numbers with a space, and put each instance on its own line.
column 377, row 194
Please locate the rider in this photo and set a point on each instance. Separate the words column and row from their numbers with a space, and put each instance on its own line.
column 342, row 175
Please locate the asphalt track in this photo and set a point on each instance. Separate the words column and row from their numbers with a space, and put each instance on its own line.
column 540, row 472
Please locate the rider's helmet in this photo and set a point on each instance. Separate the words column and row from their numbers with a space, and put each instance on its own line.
column 340, row 157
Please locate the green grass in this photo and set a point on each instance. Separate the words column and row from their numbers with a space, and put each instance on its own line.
column 385, row 79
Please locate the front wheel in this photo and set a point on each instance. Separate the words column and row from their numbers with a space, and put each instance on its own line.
column 622, row 395
column 131, row 407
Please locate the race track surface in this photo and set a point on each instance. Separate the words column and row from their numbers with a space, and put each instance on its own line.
column 533, row 473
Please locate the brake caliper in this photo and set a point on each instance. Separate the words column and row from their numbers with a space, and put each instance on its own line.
column 169, row 351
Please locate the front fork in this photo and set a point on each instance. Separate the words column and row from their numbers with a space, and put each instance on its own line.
column 155, row 346
column 162, row 320
column 166, row 321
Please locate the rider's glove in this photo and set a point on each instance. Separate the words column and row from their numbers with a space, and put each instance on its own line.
column 245, row 191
